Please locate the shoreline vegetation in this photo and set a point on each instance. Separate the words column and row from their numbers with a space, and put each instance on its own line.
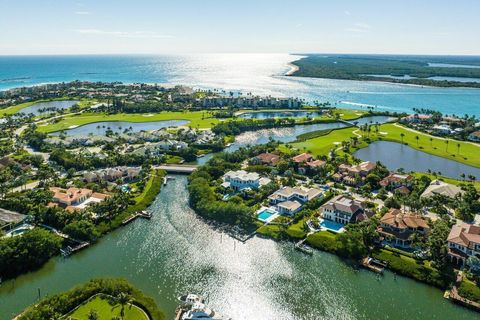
column 110, row 292
column 413, row 70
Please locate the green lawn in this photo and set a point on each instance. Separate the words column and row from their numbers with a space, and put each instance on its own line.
column 322, row 145
column 198, row 119
column 323, row 240
column 469, row 290
column 416, row 269
column 468, row 152
column 106, row 311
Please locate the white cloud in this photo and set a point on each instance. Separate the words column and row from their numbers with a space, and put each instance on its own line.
column 359, row 28
column 347, row 13
column 82, row 13
column 123, row 34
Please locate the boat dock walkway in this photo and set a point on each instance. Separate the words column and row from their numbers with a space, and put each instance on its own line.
column 139, row 214
column 454, row 296
column 373, row 264
column 302, row 247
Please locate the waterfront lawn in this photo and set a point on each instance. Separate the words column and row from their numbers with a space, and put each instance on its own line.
column 63, row 303
column 297, row 230
column 469, row 290
column 106, row 311
column 323, row 240
column 274, row 231
column 198, row 119
column 417, row 269
column 321, row 145
column 142, row 201
column 467, row 154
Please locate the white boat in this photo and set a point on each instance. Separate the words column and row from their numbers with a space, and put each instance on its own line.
column 200, row 311
column 190, row 299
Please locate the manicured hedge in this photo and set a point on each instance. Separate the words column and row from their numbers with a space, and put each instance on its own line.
column 61, row 304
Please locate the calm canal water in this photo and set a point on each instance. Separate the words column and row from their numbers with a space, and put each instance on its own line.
column 38, row 108
column 100, row 128
column 396, row 155
column 176, row 252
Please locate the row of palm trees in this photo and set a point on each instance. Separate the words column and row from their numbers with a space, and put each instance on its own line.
column 417, row 138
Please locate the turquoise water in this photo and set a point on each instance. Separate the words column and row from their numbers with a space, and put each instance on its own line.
column 264, row 215
column 257, row 73
column 330, row 225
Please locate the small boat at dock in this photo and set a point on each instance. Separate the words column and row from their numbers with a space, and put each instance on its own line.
column 302, row 247
column 373, row 264
column 190, row 299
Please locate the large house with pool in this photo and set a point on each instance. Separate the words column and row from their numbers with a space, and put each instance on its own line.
column 290, row 200
column 241, row 180
column 343, row 210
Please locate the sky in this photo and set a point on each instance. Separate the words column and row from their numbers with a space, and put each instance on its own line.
column 237, row 26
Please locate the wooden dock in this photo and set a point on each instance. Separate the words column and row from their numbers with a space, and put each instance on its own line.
column 302, row 247
column 71, row 250
column 139, row 214
column 454, row 296
column 373, row 264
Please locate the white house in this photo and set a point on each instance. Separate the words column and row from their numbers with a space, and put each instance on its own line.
column 342, row 209
column 241, row 179
column 474, row 136
column 290, row 200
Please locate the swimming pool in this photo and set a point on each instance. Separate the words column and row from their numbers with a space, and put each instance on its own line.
column 266, row 215
column 332, row 226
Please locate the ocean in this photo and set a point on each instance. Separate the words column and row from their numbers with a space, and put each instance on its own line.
column 262, row 74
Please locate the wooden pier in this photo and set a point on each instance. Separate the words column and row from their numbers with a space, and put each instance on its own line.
column 373, row 264
column 139, row 214
column 302, row 247
column 454, row 296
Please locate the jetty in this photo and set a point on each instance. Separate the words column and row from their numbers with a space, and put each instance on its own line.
column 139, row 214
column 373, row 264
column 302, row 247
column 71, row 250
column 455, row 297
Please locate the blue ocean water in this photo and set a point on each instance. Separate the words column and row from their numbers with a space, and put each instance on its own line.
column 262, row 74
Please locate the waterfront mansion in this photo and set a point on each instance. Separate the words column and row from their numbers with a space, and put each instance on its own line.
column 75, row 199
column 463, row 242
column 290, row 200
column 396, row 227
column 241, row 179
column 342, row 209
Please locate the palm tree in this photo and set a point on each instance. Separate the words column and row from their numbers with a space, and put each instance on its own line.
column 417, row 138
column 446, row 143
column 458, row 148
column 401, row 136
column 431, row 140
column 124, row 299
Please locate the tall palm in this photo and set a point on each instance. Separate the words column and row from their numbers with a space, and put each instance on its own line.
column 124, row 299
column 431, row 140
column 401, row 136
column 417, row 138
column 446, row 143
column 458, row 148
